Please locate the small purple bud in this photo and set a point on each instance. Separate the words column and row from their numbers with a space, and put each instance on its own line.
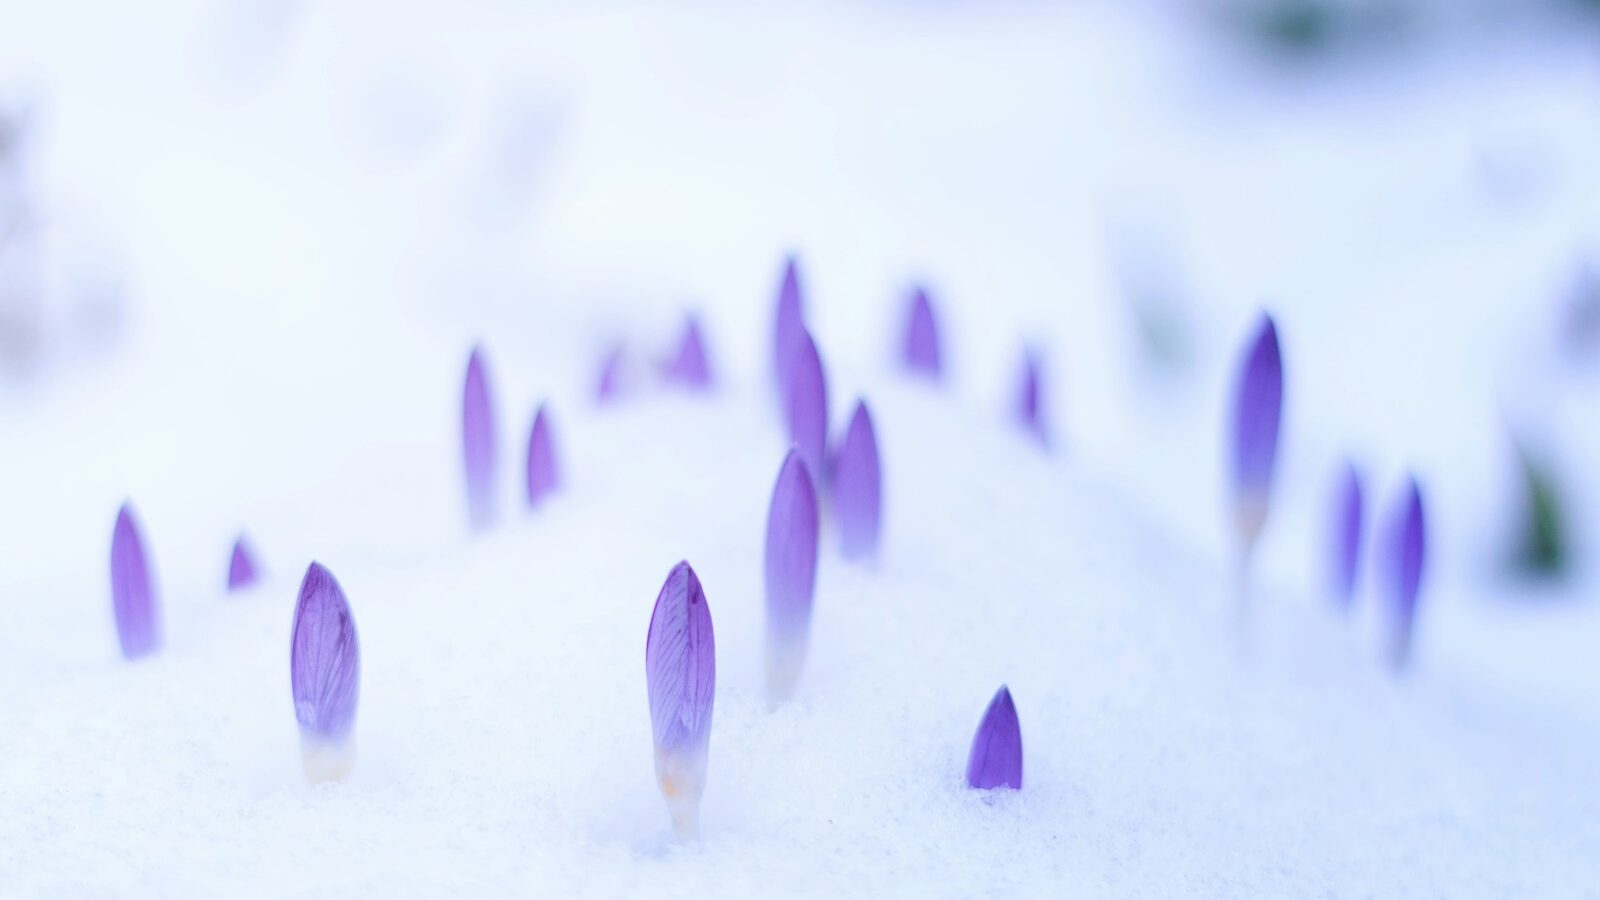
column 1408, row 549
column 996, row 759
column 242, row 569
column 791, row 574
column 1029, row 412
column 689, row 367
column 806, row 404
column 1258, row 406
column 324, row 674
column 857, row 492
column 544, row 476
column 922, row 354
column 478, row 443
column 609, row 385
column 1346, row 534
column 680, row 663
column 790, row 323
column 133, row 595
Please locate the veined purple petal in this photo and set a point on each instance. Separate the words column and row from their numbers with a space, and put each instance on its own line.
column 1029, row 411
column 544, row 475
column 922, row 354
column 242, row 569
column 1408, row 549
column 689, row 367
column 1346, row 534
column 790, row 323
column 133, row 595
column 1257, row 408
column 609, row 385
column 478, row 443
column 792, row 526
column 680, row 663
column 806, row 404
column 857, row 492
column 324, row 672
column 996, row 758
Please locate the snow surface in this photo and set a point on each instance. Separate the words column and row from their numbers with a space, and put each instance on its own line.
column 312, row 215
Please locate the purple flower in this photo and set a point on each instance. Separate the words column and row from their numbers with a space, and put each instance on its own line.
column 857, row 493
column 806, row 404
column 1029, row 412
column 242, row 569
column 791, row 574
column 922, row 337
column 478, row 443
column 689, row 367
column 1408, row 552
column 680, row 663
column 544, row 476
column 996, row 758
column 324, row 674
column 133, row 594
column 790, row 324
column 1258, row 407
column 609, row 385
column 1346, row 534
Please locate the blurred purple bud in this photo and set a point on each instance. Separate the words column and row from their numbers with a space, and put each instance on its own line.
column 1408, row 552
column 680, row 662
column 792, row 526
column 324, row 673
column 996, row 758
column 922, row 354
column 609, row 385
column 806, row 404
column 1346, row 534
column 478, row 443
column 689, row 367
column 790, row 323
column 1029, row 411
column 544, row 476
column 1257, row 408
column 133, row 595
column 242, row 569
column 857, row 491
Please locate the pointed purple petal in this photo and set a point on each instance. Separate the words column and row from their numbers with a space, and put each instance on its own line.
column 1346, row 534
column 790, row 323
column 690, row 367
column 680, row 664
column 242, row 570
column 922, row 354
column 133, row 598
column 806, row 404
column 544, row 476
column 857, row 492
column 324, row 660
column 1029, row 412
column 1257, row 408
column 996, row 758
column 478, row 443
column 791, row 565
column 609, row 385
column 1408, row 551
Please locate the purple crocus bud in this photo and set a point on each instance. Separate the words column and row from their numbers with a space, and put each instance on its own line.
column 324, row 674
column 805, row 396
column 922, row 354
column 1346, row 534
column 791, row 574
column 996, row 758
column 133, row 593
column 790, row 323
column 1258, row 406
column 544, row 476
column 1029, row 412
column 242, row 569
column 857, row 492
column 1408, row 551
column 689, row 366
column 478, row 443
column 680, row 664
column 609, row 386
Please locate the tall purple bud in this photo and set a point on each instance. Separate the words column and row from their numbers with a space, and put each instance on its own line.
column 609, row 385
column 133, row 592
column 996, row 758
column 1030, row 413
column 478, row 443
column 857, row 491
column 324, row 675
column 680, row 664
column 689, row 366
column 922, row 354
column 544, row 475
column 1257, row 408
column 791, row 575
column 805, row 395
column 790, row 323
column 1408, row 552
column 1346, row 537
column 242, row 569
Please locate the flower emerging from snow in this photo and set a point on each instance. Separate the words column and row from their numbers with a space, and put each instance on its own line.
column 857, row 491
column 921, row 350
column 1030, row 412
column 680, row 662
column 324, row 674
column 133, row 595
column 478, row 443
column 544, row 476
column 805, row 404
column 790, row 323
column 996, row 758
column 791, row 575
column 242, row 569
column 1346, row 534
column 689, row 366
column 1408, row 552
column 1258, row 405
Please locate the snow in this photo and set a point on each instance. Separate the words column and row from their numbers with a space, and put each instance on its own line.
column 311, row 220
